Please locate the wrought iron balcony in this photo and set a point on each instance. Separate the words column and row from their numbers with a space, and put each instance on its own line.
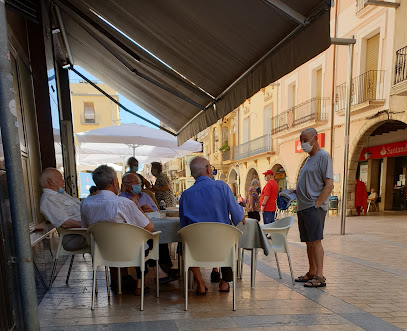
column 253, row 147
column 310, row 110
column 400, row 70
column 366, row 87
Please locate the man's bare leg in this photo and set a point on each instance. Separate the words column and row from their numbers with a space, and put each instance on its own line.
column 318, row 254
column 311, row 259
column 201, row 284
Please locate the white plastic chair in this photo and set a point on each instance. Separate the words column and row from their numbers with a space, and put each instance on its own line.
column 209, row 244
column 372, row 203
column 121, row 245
column 61, row 251
column 278, row 231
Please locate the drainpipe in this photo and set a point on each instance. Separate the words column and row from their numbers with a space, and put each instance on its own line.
column 347, row 129
column 333, row 82
column 16, row 191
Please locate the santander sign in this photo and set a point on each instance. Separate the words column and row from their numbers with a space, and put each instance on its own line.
column 387, row 150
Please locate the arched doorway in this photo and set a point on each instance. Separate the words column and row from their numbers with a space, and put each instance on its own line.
column 232, row 181
column 379, row 159
column 251, row 174
column 280, row 177
column 222, row 177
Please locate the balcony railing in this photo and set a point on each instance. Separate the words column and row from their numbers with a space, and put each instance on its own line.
column 253, row 147
column 366, row 87
column 310, row 110
column 400, row 71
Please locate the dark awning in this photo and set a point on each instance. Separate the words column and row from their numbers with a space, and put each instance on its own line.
column 221, row 52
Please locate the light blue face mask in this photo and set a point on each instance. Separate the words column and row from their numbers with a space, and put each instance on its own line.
column 136, row 188
column 135, row 168
column 61, row 190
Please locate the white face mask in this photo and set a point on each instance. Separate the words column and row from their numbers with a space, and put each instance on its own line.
column 307, row 147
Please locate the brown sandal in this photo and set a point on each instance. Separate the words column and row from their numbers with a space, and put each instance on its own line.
column 303, row 279
column 316, row 282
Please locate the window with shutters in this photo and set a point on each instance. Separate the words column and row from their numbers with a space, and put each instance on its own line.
column 246, row 129
column 89, row 113
column 372, row 63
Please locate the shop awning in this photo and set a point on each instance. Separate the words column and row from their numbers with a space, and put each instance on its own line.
column 220, row 52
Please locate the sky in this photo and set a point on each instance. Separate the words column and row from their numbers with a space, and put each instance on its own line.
column 124, row 116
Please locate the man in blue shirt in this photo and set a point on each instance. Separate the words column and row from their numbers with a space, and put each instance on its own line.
column 209, row 201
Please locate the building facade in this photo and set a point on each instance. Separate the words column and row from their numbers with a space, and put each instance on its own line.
column 263, row 133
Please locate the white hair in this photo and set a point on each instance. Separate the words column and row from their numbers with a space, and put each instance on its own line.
column 255, row 182
column 46, row 175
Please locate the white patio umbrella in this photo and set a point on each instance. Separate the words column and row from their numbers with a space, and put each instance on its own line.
column 134, row 139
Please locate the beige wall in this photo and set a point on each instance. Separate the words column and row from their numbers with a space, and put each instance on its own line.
column 368, row 22
column 106, row 111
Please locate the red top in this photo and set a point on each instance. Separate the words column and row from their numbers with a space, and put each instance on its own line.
column 271, row 189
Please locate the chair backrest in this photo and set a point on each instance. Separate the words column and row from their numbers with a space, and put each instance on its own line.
column 118, row 244
column 278, row 231
column 284, row 223
column 210, row 244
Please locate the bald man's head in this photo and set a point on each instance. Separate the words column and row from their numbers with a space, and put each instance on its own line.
column 52, row 179
column 200, row 167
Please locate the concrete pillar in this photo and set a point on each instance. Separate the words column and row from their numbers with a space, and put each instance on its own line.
column 388, row 183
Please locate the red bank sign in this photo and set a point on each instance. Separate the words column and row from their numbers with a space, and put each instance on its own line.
column 321, row 140
column 388, row 150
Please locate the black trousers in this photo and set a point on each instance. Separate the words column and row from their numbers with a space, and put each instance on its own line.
column 227, row 274
column 254, row 214
column 164, row 257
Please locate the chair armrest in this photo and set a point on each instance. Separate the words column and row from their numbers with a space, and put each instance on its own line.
column 282, row 231
column 155, row 233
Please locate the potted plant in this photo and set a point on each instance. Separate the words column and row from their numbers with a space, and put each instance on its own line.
column 225, row 147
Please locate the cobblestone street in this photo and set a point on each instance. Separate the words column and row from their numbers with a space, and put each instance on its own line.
column 366, row 271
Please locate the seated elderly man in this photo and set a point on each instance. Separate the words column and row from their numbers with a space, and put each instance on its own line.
column 60, row 208
column 106, row 206
column 131, row 189
column 209, row 201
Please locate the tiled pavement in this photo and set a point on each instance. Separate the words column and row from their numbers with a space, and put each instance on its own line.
column 366, row 272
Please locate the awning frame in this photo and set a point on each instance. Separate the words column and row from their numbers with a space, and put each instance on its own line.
column 178, row 78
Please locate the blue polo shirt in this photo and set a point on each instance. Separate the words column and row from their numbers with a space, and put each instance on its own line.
column 209, row 201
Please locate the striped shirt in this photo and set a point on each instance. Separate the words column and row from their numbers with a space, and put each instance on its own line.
column 108, row 207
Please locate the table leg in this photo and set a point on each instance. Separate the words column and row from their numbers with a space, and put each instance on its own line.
column 254, row 267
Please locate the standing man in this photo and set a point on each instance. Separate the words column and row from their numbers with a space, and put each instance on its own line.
column 209, row 201
column 314, row 185
column 268, row 197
